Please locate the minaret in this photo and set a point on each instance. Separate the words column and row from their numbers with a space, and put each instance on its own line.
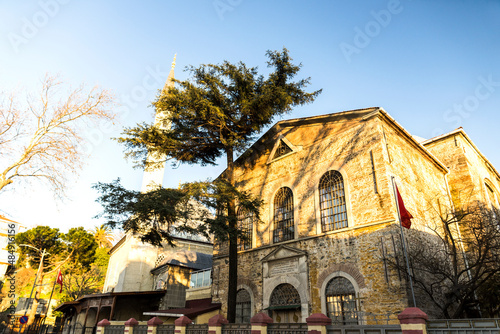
column 154, row 176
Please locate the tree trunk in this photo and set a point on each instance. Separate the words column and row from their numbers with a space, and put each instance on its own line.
column 36, row 297
column 233, row 244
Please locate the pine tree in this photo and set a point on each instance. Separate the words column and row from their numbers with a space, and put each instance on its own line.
column 218, row 113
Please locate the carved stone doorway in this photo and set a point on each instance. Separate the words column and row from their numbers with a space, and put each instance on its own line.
column 285, row 305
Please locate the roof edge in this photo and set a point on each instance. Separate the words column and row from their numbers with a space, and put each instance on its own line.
column 462, row 132
column 411, row 139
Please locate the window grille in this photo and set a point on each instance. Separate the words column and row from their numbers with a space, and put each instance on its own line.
column 284, row 228
column 159, row 259
column 245, row 224
column 341, row 301
column 243, row 307
column 332, row 201
column 282, row 149
column 284, row 295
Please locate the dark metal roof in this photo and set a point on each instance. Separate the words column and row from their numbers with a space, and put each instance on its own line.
column 186, row 258
column 193, row 308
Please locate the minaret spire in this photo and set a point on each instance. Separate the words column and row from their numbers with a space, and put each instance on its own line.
column 154, row 176
column 170, row 82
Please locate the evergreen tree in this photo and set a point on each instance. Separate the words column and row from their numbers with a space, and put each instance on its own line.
column 218, row 113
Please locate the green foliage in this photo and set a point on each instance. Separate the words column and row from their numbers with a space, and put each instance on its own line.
column 148, row 215
column 78, row 244
column 218, row 112
column 40, row 237
column 79, row 281
column 75, row 253
column 101, row 258
column 102, row 235
column 217, row 195
column 152, row 215
column 81, row 245
column 222, row 107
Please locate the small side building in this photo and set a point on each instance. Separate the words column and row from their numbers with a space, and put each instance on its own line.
column 141, row 278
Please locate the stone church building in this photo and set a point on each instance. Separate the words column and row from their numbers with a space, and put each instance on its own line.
column 330, row 220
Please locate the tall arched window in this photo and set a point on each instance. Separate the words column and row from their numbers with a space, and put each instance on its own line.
column 341, row 301
column 284, row 228
column 494, row 202
column 243, row 307
column 332, row 201
column 245, row 225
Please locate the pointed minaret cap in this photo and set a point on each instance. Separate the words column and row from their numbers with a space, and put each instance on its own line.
column 170, row 83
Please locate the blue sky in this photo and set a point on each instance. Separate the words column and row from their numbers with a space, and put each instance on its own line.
column 433, row 65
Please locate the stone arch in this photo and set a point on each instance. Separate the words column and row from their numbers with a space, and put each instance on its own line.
column 357, row 283
column 346, row 268
column 246, row 284
column 302, row 289
column 349, row 295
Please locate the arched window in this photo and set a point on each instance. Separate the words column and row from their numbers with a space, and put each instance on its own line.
column 341, row 301
column 332, row 201
column 492, row 197
column 245, row 225
column 284, row 228
column 284, row 296
column 243, row 307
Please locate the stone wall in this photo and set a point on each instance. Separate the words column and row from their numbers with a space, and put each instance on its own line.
column 469, row 171
column 347, row 144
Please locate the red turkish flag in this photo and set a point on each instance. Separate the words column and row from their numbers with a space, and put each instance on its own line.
column 59, row 280
column 404, row 215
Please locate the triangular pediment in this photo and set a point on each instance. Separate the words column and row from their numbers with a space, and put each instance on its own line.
column 282, row 148
column 284, row 252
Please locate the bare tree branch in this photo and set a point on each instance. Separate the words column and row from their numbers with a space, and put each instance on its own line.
column 43, row 139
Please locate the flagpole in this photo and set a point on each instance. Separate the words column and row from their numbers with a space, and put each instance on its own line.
column 50, row 299
column 404, row 243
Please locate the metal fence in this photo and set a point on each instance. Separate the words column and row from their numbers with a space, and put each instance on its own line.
column 141, row 329
column 88, row 330
column 363, row 329
column 197, row 329
column 115, row 329
column 464, row 326
column 236, row 329
column 165, row 329
column 287, row 328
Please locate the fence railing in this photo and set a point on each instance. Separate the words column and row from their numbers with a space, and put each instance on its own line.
column 363, row 329
column 413, row 321
column 464, row 326
column 165, row 329
column 115, row 329
column 141, row 329
column 236, row 329
column 287, row 328
column 197, row 329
